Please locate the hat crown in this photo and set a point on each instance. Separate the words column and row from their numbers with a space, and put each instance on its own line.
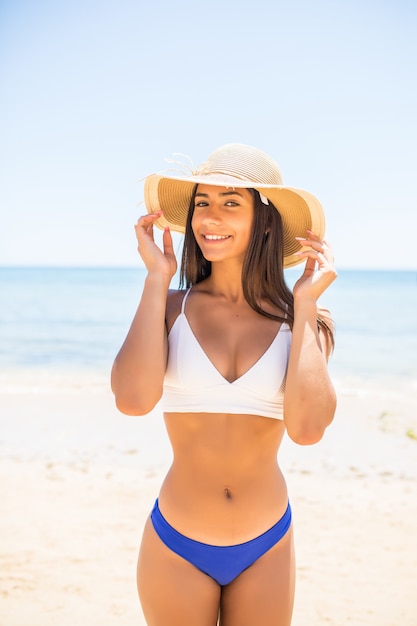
column 244, row 163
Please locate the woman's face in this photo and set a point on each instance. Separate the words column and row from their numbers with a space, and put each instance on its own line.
column 222, row 221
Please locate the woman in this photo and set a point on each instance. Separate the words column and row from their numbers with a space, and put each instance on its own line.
column 237, row 359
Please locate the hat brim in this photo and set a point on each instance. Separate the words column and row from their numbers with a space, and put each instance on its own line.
column 299, row 209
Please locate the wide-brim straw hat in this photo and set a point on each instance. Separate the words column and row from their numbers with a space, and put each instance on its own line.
column 238, row 166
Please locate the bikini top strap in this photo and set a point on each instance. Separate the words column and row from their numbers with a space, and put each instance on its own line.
column 184, row 299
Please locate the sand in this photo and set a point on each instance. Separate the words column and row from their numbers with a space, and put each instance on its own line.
column 78, row 480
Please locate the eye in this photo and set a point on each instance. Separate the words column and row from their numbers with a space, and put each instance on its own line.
column 200, row 203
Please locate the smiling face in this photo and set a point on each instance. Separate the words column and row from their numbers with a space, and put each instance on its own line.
column 222, row 221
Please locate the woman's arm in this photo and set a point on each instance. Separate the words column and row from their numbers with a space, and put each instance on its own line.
column 310, row 399
column 139, row 368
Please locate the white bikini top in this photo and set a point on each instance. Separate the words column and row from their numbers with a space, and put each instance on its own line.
column 193, row 385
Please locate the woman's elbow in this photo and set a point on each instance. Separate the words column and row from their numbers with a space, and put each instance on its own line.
column 310, row 430
column 306, row 436
column 136, row 404
column 133, row 397
column 133, row 409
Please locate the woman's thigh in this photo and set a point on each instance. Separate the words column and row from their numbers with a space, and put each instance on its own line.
column 172, row 591
column 264, row 593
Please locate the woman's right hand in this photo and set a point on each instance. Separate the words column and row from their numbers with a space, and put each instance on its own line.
column 156, row 260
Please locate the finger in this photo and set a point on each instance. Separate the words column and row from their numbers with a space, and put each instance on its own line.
column 314, row 243
column 310, row 265
column 313, row 234
column 315, row 255
column 145, row 224
column 147, row 220
column 167, row 241
column 143, row 231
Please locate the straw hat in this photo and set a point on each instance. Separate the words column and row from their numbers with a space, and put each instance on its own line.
column 238, row 166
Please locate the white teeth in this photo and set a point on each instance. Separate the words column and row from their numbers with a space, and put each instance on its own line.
column 216, row 237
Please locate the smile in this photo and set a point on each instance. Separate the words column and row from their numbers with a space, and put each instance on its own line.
column 215, row 237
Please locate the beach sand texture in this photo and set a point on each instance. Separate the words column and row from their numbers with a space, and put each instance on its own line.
column 78, row 480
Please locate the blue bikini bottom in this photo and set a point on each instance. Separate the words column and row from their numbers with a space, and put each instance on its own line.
column 222, row 563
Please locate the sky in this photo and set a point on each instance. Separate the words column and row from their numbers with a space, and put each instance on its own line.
column 95, row 95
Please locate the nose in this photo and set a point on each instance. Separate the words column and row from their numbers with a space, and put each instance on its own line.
column 211, row 215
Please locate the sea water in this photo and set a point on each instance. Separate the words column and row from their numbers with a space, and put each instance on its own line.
column 61, row 328
column 75, row 319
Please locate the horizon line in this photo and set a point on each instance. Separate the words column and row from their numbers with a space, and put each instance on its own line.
column 142, row 267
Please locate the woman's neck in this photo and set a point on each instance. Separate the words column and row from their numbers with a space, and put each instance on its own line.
column 225, row 281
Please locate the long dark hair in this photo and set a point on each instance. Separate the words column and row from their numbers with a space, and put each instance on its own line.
column 263, row 265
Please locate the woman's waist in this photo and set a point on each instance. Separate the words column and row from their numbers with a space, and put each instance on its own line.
column 243, row 471
column 223, row 512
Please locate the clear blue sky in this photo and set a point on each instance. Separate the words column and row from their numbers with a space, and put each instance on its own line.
column 96, row 94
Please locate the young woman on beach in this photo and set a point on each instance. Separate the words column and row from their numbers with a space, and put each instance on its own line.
column 237, row 359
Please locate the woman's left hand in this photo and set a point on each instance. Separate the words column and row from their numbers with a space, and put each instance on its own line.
column 319, row 271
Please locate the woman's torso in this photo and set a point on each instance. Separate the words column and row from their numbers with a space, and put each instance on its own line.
column 224, row 485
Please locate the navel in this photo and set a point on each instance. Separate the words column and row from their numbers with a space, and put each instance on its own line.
column 228, row 493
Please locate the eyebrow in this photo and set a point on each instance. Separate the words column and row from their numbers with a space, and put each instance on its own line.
column 223, row 193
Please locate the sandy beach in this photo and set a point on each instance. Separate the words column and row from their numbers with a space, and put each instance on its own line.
column 78, row 480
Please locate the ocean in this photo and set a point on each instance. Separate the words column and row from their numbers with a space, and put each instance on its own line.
column 75, row 319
